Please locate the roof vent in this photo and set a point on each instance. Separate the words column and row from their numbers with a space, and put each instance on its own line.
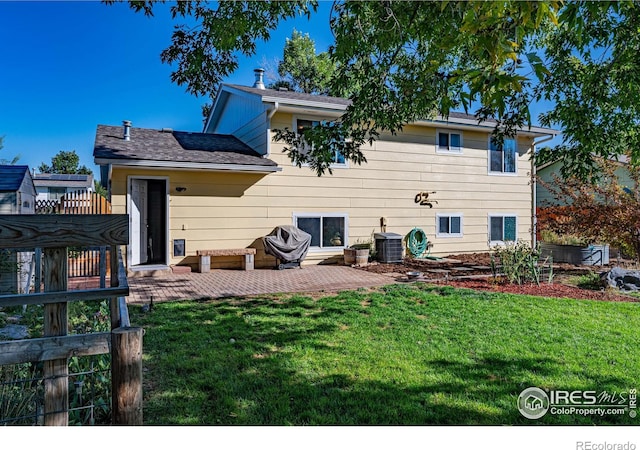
column 259, row 74
column 127, row 129
column 167, row 130
column 283, row 89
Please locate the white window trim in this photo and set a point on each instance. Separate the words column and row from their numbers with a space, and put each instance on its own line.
column 449, row 235
column 502, row 173
column 345, row 238
column 449, row 151
column 503, row 215
column 344, row 165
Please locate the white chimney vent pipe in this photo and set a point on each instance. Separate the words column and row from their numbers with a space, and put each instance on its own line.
column 127, row 129
column 259, row 74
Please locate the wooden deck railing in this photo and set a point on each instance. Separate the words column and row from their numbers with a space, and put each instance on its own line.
column 54, row 234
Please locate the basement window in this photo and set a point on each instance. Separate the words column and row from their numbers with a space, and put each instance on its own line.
column 502, row 229
column 328, row 231
column 449, row 225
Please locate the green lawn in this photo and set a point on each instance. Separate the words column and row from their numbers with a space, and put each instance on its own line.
column 405, row 354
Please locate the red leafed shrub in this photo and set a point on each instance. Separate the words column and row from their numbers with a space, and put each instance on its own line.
column 599, row 211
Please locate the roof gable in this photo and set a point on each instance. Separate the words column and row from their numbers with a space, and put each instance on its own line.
column 11, row 177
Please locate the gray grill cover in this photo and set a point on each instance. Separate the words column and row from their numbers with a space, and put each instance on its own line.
column 287, row 243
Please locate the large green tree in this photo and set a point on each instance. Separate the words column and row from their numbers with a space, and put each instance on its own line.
column 65, row 162
column 404, row 61
column 593, row 80
column 302, row 69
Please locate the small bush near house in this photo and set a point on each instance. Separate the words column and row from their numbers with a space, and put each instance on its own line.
column 519, row 262
column 550, row 237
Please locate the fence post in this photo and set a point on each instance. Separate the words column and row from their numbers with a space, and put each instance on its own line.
column 38, row 275
column 126, row 376
column 56, row 372
column 103, row 267
column 114, row 306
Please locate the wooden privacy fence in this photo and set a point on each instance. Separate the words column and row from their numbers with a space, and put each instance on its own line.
column 79, row 202
column 83, row 262
column 54, row 234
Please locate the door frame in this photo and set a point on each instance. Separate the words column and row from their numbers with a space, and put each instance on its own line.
column 130, row 179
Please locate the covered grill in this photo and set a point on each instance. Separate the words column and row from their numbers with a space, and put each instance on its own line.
column 289, row 244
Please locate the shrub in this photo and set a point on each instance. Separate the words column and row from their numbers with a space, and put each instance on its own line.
column 601, row 211
column 551, row 237
column 519, row 262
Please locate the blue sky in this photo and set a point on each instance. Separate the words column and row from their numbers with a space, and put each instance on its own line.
column 69, row 66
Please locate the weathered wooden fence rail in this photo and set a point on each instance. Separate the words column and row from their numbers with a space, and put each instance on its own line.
column 54, row 234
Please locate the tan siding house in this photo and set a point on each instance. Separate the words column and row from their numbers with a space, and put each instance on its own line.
column 232, row 184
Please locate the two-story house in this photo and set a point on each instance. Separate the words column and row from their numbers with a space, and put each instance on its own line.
column 232, row 184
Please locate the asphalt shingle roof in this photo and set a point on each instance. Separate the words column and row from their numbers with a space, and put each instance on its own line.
column 291, row 95
column 11, row 177
column 299, row 96
column 178, row 146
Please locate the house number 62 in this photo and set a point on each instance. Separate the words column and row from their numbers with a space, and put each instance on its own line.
column 423, row 199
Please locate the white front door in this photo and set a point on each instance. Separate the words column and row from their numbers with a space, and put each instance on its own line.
column 138, row 221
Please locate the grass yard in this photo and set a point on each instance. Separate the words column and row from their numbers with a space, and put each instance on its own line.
column 404, row 354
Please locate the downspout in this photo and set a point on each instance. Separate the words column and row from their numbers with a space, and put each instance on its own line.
column 534, row 196
column 270, row 113
column 110, row 170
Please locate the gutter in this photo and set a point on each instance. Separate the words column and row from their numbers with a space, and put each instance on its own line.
column 534, row 196
column 236, row 168
column 305, row 103
column 473, row 125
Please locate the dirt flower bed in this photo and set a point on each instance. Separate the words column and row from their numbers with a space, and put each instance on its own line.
column 555, row 289
column 478, row 264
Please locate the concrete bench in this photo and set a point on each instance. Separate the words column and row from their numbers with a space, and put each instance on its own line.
column 205, row 257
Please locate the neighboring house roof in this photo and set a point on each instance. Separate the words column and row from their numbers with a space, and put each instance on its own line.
column 287, row 100
column 178, row 149
column 77, row 181
column 11, row 177
column 620, row 159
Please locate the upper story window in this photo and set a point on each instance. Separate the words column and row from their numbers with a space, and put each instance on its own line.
column 503, row 159
column 449, row 142
column 306, row 124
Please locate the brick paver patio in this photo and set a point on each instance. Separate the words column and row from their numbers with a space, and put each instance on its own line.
column 236, row 283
